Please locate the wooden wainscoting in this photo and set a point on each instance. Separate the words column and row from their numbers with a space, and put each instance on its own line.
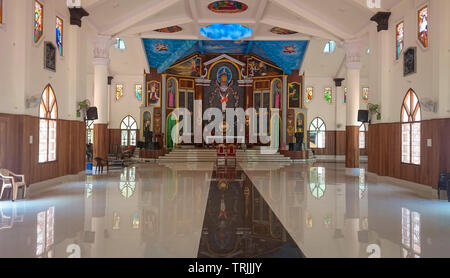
column 336, row 142
column 20, row 156
column 385, row 152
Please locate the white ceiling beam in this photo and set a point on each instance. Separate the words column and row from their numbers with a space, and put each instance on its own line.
column 156, row 25
column 207, row 21
column 156, row 35
column 325, row 23
column 294, row 26
column 128, row 20
column 262, row 5
column 191, row 9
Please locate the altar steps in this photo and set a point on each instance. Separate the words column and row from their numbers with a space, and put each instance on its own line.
column 206, row 155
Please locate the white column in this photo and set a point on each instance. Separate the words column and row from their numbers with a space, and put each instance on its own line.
column 102, row 46
column 72, row 52
column 284, row 114
column 353, row 49
column 341, row 111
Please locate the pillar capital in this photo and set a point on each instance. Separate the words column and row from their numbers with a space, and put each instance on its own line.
column 102, row 45
column 353, row 50
column 382, row 19
column 76, row 14
column 338, row 81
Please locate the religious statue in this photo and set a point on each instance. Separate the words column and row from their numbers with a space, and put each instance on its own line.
column 224, row 87
column 148, row 134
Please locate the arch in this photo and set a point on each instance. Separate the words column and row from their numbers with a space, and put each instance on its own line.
column 411, row 117
column 128, row 131
column 172, row 97
column 274, row 100
column 362, row 136
column 171, row 122
column 48, row 114
column 317, row 130
column 224, row 61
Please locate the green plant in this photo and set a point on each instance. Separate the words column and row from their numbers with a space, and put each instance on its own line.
column 375, row 108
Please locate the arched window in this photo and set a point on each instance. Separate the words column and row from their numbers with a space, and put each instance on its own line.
column 129, row 130
column 317, row 184
column 411, row 117
column 48, row 113
column 362, row 136
column 317, row 134
column 90, row 132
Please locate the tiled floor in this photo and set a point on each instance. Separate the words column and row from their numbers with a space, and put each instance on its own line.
column 190, row 210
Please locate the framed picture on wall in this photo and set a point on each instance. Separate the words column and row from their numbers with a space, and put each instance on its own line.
column 49, row 56
column 153, row 94
column 410, row 61
column 295, row 95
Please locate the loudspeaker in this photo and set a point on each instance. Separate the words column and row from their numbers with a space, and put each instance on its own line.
column 363, row 116
column 92, row 114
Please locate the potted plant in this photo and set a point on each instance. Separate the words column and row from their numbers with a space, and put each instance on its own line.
column 82, row 106
column 375, row 108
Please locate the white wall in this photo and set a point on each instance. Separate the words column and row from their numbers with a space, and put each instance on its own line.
column 129, row 103
column 431, row 82
column 22, row 73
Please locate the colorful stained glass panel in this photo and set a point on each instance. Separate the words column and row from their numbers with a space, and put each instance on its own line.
column 309, row 94
column 119, row 91
column 138, row 90
column 399, row 38
column 328, row 94
column 59, row 34
column 38, row 21
column 365, row 94
column 345, row 95
column 423, row 26
column 1, row 11
column 227, row 6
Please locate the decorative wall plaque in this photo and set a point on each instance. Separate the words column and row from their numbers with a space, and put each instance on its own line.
column 410, row 61
column 49, row 56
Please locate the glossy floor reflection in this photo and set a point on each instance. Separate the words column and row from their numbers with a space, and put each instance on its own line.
column 161, row 211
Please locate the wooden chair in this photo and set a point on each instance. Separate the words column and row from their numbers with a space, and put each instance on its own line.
column 14, row 181
column 231, row 154
column 221, row 154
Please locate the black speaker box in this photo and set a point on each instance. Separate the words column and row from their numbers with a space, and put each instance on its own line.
column 92, row 114
column 363, row 116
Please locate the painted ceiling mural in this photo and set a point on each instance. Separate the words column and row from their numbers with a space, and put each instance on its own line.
column 171, row 29
column 165, row 53
column 227, row 6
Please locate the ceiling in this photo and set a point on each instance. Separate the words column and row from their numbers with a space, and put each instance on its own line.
column 287, row 55
column 328, row 19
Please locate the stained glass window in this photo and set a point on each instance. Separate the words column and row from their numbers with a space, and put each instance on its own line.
column 90, row 132
column 119, row 91
column 1, row 11
column 411, row 117
column 59, row 34
column 309, row 94
column 345, row 95
column 136, row 221
column 138, row 89
column 328, row 94
column 423, row 26
column 317, row 184
column 330, row 47
column 317, row 134
column 399, row 39
column 38, row 21
column 48, row 113
column 365, row 94
column 362, row 136
column 128, row 131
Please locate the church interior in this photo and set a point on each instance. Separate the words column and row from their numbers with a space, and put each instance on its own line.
column 224, row 129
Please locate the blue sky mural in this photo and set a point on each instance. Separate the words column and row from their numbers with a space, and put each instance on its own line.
column 288, row 55
column 226, row 31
